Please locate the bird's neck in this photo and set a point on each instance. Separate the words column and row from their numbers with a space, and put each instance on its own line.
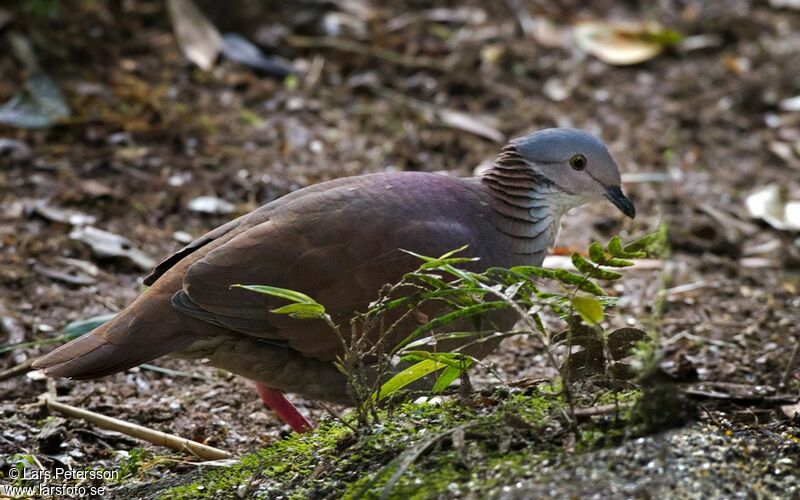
column 526, row 207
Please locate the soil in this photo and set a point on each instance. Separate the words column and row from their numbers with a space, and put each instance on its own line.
column 696, row 129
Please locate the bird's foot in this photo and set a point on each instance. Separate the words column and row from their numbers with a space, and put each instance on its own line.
column 275, row 400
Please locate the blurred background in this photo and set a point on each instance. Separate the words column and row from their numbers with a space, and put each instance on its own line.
column 127, row 128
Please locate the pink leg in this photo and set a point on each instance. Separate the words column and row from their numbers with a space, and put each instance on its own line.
column 275, row 400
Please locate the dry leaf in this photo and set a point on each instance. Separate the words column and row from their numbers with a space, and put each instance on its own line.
column 471, row 124
column 199, row 40
column 40, row 102
column 785, row 4
column 238, row 48
column 623, row 43
column 771, row 204
column 791, row 411
column 61, row 215
column 790, row 104
column 105, row 244
column 211, row 205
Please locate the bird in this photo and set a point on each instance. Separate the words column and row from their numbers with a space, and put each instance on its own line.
column 340, row 242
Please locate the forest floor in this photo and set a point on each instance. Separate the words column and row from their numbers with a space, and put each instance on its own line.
column 696, row 130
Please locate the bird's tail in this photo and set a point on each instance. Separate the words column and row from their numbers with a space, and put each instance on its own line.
column 147, row 329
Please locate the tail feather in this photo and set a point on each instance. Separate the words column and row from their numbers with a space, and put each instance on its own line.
column 146, row 330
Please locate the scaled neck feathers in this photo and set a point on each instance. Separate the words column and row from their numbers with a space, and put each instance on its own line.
column 528, row 205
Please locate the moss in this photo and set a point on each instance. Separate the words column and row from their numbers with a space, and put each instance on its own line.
column 288, row 459
column 626, row 397
column 451, row 449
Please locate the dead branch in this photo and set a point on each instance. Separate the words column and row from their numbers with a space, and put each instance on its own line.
column 152, row 436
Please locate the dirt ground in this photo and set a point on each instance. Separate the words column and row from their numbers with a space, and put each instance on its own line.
column 696, row 129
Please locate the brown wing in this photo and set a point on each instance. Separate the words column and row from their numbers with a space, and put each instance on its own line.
column 166, row 264
column 338, row 246
column 233, row 227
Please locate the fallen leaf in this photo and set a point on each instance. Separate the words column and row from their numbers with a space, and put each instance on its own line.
column 785, row 152
column 130, row 153
column 556, row 89
column 38, row 105
column 237, row 48
column 211, row 205
column 96, row 189
column 36, row 375
column 182, row 237
column 199, row 40
column 758, row 263
column 105, row 244
column 549, row 34
column 701, row 42
column 785, row 4
column 791, row 411
column 72, row 276
column 771, row 204
column 586, row 356
column 621, row 341
column 790, row 104
column 469, row 123
column 623, row 43
column 62, row 215
column 14, row 149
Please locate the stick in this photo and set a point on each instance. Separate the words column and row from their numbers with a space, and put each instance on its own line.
column 340, row 44
column 595, row 411
column 744, row 398
column 156, row 437
column 14, row 371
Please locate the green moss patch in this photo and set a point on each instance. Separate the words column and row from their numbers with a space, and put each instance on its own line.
column 416, row 450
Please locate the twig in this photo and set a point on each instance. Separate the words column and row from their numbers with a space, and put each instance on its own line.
column 15, row 371
column 673, row 292
column 327, row 42
column 596, row 411
column 447, row 117
column 152, row 436
column 743, row 398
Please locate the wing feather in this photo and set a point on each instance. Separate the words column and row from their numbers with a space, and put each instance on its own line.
column 336, row 246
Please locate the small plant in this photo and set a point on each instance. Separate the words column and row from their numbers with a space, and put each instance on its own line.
column 462, row 314
column 133, row 462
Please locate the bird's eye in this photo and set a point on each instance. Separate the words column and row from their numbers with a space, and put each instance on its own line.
column 578, row 162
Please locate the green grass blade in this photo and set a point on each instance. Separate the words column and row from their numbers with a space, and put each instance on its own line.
column 453, row 316
column 407, row 376
column 282, row 293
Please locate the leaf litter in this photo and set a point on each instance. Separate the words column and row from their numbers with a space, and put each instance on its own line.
column 683, row 113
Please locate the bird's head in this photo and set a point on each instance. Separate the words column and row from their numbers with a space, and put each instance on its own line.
column 577, row 163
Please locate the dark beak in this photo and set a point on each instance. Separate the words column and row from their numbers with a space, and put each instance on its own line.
column 618, row 198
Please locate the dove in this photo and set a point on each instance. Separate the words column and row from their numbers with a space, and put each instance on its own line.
column 340, row 242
